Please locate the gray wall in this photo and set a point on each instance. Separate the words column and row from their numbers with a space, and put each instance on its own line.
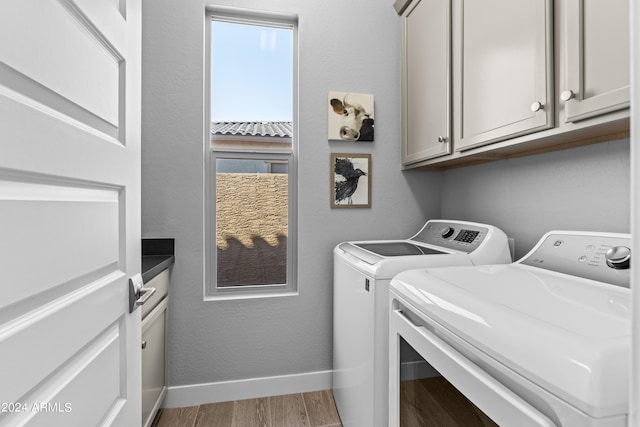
column 349, row 46
column 586, row 188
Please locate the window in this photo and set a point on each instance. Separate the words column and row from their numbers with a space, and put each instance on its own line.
column 251, row 160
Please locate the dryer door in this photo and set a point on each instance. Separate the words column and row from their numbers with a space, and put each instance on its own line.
column 430, row 380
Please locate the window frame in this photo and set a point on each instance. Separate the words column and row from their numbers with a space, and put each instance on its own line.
column 211, row 154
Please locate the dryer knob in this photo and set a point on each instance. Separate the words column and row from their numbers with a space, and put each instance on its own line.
column 446, row 232
column 618, row 257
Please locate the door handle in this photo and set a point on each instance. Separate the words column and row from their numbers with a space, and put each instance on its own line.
column 138, row 293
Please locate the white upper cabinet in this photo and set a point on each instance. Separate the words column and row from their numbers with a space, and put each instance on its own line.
column 523, row 77
column 596, row 37
column 426, row 82
column 503, row 74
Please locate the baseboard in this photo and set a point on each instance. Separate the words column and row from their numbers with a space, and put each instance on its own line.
column 224, row 391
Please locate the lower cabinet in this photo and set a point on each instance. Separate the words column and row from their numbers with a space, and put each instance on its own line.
column 154, row 366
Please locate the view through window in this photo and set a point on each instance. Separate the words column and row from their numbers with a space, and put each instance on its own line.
column 252, row 154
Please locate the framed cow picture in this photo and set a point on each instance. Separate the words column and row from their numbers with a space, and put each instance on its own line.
column 350, row 116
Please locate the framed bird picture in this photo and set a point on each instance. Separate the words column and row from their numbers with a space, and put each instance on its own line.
column 350, row 184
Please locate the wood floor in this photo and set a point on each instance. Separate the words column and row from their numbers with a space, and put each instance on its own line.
column 425, row 402
column 314, row 409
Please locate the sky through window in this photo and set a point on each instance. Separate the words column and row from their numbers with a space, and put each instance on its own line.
column 251, row 72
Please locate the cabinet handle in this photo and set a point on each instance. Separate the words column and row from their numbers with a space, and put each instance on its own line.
column 537, row 106
column 567, row 95
column 144, row 345
column 442, row 139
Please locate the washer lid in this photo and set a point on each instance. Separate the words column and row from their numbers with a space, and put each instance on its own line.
column 373, row 252
column 569, row 335
column 398, row 248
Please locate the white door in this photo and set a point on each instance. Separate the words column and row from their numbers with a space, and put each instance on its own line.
column 69, row 212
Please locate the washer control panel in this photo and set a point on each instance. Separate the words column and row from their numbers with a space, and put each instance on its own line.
column 597, row 256
column 459, row 236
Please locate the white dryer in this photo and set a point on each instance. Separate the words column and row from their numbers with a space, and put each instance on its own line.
column 362, row 272
column 544, row 341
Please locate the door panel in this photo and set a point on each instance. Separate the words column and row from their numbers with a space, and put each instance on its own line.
column 69, row 212
column 96, row 304
column 65, row 399
column 42, row 219
column 68, row 54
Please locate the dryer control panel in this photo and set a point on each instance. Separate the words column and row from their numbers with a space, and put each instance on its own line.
column 461, row 236
column 605, row 257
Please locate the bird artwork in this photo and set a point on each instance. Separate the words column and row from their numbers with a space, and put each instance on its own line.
column 345, row 188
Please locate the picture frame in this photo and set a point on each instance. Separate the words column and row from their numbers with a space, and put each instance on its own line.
column 350, row 183
column 350, row 116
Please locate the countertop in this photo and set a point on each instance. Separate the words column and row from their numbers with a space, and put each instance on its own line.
column 157, row 255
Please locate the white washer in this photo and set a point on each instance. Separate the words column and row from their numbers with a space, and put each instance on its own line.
column 362, row 272
column 544, row 341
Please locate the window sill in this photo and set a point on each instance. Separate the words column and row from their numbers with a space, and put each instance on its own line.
column 226, row 296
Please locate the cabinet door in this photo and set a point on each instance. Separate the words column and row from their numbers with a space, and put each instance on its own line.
column 597, row 69
column 154, row 380
column 503, row 70
column 426, row 81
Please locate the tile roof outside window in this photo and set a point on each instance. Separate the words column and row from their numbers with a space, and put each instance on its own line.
column 266, row 129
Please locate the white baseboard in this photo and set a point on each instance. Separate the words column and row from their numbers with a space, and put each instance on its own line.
column 199, row 394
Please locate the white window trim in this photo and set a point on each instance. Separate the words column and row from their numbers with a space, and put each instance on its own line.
column 210, row 290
